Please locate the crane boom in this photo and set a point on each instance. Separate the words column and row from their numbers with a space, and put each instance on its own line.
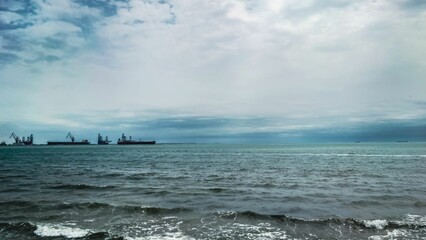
column 69, row 135
column 15, row 137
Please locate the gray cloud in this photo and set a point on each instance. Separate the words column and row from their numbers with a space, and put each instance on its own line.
column 248, row 68
column 6, row 58
column 414, row 4
column 108, row 8
column 24, row 7
column 42, row 30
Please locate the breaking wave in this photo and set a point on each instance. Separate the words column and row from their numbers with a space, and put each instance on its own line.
column 30, row 230
column 409, row 222
column 234, row 224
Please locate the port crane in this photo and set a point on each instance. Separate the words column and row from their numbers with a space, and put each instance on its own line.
column 23, row 141
column 69, row 135
column 17, row 140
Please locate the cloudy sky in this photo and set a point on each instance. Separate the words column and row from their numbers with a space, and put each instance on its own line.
column 269, row 71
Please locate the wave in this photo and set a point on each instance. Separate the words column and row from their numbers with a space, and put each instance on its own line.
column 414, row 222
column 108, row 175
column 85, row 205
column 126, row 208
column 141, row 176
column 20, row 176
column 364, row 203
column 411, row 224
column 17, row 204
column 18, row 227
column 148, row 175
column 217, row 189
column 93, row 206
column 21, row 229
column 59, row 230
column 26, row 230
column 408, row 222
column 155, row 192
column 420, row 204
column 156, row 210
column 82, row 187
column 265, row 185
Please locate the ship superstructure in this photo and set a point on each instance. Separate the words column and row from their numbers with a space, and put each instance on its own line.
column 124, row 141
column 23, row 141
column 101, row 141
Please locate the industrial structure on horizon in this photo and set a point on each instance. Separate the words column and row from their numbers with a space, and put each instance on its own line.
column 20, row 142
column 121, row 141
column 124, row 140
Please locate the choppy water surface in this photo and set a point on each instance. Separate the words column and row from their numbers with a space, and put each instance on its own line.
column 345, row 191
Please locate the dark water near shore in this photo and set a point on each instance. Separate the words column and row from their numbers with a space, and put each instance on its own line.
column 341, row 191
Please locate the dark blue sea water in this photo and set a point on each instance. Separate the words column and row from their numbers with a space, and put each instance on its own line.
column 202, row 191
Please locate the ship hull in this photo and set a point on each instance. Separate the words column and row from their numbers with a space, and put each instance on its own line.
column 136, row 142
column 68, row 143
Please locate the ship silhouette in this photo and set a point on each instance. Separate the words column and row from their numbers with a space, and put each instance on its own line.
column 73, row 142
column 124, row 141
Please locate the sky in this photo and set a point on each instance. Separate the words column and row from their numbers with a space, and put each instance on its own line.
column 225, row 71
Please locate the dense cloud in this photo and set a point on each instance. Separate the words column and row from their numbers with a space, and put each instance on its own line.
column 285, row 66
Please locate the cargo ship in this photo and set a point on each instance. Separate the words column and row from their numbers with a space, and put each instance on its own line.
column 101, row 140
column 22, row 142
column 124, row 141
column 73, row 142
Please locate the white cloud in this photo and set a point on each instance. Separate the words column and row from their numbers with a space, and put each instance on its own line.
column 302, row 59
column 59, row 9
column 141, row 11
column 9, row 17
column 49, row 29
column 13, row 5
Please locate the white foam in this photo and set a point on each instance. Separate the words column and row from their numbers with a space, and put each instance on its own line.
column 261, row 231
column 166, row 229
column 166, row 236
column 378, row 223
column 57, row 230
column 396, row 233
column 391, row 235
column 415, row 219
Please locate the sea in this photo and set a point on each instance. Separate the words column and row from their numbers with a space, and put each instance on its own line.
column 214, row 191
